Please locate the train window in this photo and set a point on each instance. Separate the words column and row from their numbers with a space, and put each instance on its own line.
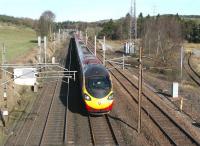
column 98, row 86
column 98, row 83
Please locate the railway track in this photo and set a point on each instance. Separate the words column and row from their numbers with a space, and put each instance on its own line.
column 32, row 130
column 29, row 118
column 47, row 126
column 46, row 122
column 175, row 134
column 54, row 129
column 189, row 70
column 101, row 131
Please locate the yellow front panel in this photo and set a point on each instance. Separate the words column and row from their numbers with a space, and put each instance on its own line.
column 96, row 103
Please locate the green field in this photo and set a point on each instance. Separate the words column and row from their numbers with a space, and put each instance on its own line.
column 17, row 40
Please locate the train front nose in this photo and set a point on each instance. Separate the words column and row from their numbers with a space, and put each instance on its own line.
column 102, row 105
column 102, row 110
column 98, row 89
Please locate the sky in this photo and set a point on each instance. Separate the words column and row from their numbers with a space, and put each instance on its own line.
column 94, row 10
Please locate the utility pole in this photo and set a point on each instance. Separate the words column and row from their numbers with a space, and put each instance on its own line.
column 139, row 90
column 104, row 41
column 63, row 35
column 54, row 42
column 50, row 32
column 40, row 50
column 104, row 51
column 154, row 12
column 149, row 47
column 159, row 44
column 131, row 21
column 59, row 35
column 135, row 20
column 4, row 75
column 182, row 62
column 86, row 37
column 95, row 45
column 133, row 26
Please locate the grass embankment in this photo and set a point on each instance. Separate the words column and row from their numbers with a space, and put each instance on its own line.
column 17, row 40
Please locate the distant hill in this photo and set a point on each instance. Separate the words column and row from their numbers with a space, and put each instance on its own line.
column 190, row 16
column 18, row 21
column 103, row 21
column 195, row 18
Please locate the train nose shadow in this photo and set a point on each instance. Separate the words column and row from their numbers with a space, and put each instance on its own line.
column 70, row 94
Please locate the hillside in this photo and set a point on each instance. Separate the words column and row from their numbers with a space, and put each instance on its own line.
column 17, row 40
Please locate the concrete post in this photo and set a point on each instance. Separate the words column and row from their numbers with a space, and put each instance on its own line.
column 53, row 60
column 175, row 90
column 35, row 88
column 45, row 49
column 40, row 51
column 181, row 104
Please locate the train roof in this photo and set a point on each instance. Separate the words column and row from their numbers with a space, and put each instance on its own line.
column 85, row 55
column 96, row 70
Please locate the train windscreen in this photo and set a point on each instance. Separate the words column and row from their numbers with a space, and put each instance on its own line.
column 98, row 86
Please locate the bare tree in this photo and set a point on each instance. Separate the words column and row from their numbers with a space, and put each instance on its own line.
column 162, row 40
column 46, row 24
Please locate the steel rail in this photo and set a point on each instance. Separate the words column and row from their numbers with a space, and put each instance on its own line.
column 111, row 129
column 91, row 131
column 189, row 69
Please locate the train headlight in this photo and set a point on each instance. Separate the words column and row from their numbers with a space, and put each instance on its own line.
column 110, row 97
column 86, row 97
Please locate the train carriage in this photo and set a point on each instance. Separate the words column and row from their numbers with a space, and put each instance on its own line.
column 96, row 84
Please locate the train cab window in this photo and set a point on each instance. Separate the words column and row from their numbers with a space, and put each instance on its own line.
column 98, row 83
column 98, row 86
